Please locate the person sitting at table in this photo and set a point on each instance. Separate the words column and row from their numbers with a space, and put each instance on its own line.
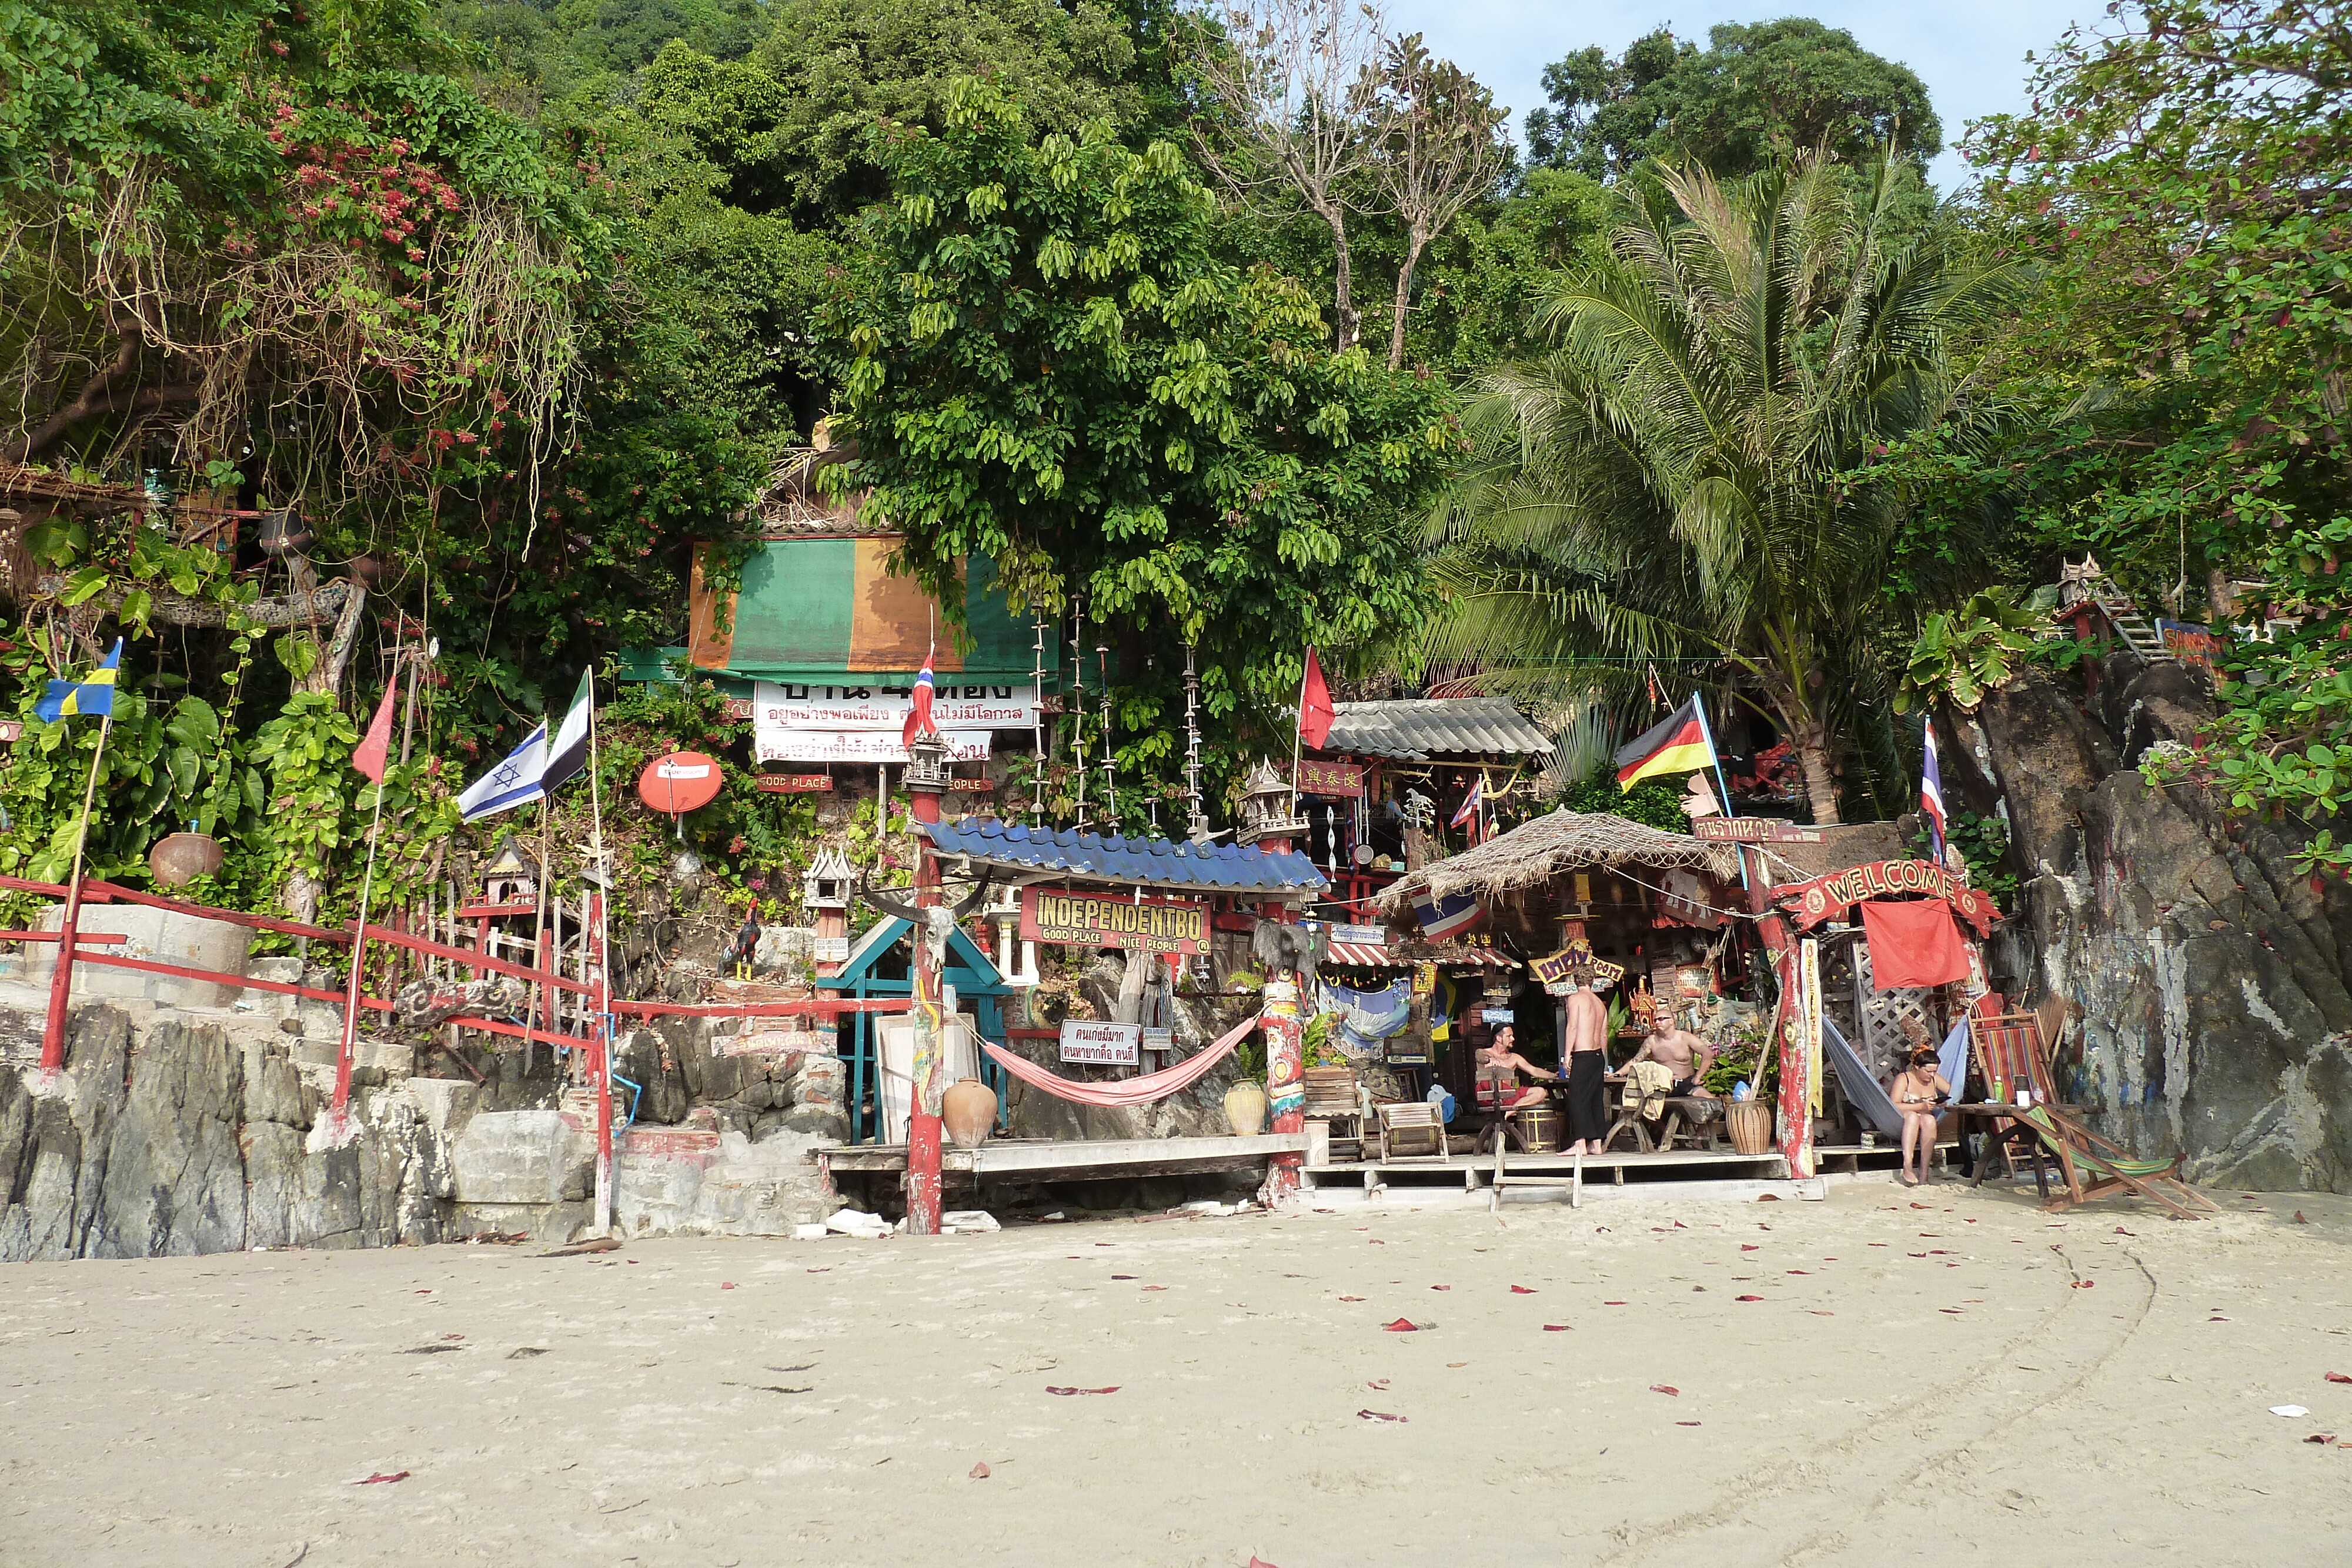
column 1685, row 1055
column 1918, row 1092
column 1503, row 1064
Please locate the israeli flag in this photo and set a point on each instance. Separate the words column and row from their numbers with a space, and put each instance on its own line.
column 516, row 781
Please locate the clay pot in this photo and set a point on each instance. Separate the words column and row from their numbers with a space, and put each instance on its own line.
column 181, row 858
column 968, row 1112
column 1245, row 1109
column 1750, row 1123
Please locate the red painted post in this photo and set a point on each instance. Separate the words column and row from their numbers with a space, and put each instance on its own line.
column 53, row 1028
column 926, row 783
column 1285, row 1066
column 600, row 1063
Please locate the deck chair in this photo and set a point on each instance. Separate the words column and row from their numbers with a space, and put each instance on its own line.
column 2007, row 1047
column 1411, row 1129
column 1336, row 1095
column 2095, row 1167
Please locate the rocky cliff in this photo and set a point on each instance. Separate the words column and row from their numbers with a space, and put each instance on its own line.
column 2208, row 986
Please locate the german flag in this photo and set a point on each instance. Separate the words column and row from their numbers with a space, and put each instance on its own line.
column 1679, row 744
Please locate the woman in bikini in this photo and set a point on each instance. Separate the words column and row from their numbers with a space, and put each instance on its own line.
column 1919, row 1089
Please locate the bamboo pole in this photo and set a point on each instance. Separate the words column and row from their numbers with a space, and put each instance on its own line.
column 53, row 1030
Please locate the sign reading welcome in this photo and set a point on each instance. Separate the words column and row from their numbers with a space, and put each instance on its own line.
column 1827, row 897
column 1111, row 920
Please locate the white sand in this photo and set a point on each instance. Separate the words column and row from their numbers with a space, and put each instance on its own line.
column 1916, row 1384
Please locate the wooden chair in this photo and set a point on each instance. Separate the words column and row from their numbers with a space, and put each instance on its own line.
column 2096, row 1167
column 2008, row 1051
column 1411, row 1129
column 1335, row 1094
column 1489, row 1090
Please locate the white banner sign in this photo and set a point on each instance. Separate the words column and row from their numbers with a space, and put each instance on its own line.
column 778, row 706
column 866, row 746
column 1104, row 1044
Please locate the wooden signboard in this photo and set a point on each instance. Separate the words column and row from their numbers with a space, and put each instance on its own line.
column 1753, row 830
column 1344, row 778
column 1075, row 919
column 1829, row 897
column 792, row 784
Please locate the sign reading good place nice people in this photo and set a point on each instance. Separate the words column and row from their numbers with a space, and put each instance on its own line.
column 1114, row 920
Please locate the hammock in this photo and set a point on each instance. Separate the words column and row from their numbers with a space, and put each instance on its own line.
column 1127, row 1091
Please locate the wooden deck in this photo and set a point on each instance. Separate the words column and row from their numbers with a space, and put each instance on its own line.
column 1056, row 1159
column 1475, row 1171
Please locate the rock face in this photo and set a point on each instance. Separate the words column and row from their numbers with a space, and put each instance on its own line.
column 2210, row 986
column 182, row 1142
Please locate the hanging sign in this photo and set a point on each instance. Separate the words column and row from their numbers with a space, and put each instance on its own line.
column 1344, row 778
column 2191, row 643
column 1361, row 936
column 780, row 706
column 1074, row 919
column 1753, row 830
column 1555, row 970
column 793, row 783
column 1829, row 897
column 678, row 782
column 1103, row 1044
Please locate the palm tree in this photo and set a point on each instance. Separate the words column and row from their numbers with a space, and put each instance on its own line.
column 1669, row 481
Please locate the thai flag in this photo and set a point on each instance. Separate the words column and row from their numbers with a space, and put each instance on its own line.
column 1469, row 811
column 1931, row 793
column 919, row 719
column 1449, row 917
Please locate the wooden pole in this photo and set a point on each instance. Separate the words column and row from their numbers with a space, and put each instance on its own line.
column 338, row 1120
column 53, row 1030
column 601, row 1063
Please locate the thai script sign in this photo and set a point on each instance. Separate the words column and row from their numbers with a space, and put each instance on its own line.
column 1103, row 1044
column 1827, row 898
column 1331, row 778
column 1362, row 936
column 1108, row 920
column 782, row 706
column 1753, row 830
column 869, row 747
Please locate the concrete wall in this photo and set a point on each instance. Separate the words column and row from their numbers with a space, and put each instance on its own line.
column 162, row 935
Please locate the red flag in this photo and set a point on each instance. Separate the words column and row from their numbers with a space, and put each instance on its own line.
column 377, row 744
column 918, row 717
column 1315, row 710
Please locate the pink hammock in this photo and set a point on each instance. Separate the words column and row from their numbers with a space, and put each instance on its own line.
column 1127, row 1091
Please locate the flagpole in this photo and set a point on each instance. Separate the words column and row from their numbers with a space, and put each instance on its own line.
column 602, row 1062
column 53, row 1032
column 1299, row 734
column 1716, row 758
column 337, row 1123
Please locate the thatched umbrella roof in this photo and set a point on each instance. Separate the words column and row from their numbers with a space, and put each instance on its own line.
column 1564, row 841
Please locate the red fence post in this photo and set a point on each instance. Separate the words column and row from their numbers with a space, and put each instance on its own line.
column 53, row 1027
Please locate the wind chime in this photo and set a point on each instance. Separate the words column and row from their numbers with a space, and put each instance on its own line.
column 1111, row 753
column 1078, row 709
column 1037, row 752
column 1198, row 829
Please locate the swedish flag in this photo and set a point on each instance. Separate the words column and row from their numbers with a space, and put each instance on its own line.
column 92, row 696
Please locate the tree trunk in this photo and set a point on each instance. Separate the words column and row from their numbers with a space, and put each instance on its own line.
column 1415, row 243
column 1343, row 308
column 1813, row 761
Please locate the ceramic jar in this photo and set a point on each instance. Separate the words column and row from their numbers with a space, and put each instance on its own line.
column 1245, row 1109
column 968, row 1112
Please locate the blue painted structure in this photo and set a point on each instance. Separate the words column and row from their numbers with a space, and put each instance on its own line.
column 968, row 969
column 1148, row 863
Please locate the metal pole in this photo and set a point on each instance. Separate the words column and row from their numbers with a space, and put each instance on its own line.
column 600, row 1062
column 53, row 1030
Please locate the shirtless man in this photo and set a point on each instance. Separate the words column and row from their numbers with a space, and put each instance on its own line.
column 1680, row 1052
column 1506, row 1062
column 1588, row 1066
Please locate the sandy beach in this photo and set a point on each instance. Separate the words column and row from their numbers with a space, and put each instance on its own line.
column 1939, row 1377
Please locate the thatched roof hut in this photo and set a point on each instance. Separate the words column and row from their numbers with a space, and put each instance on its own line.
column 1564, row 842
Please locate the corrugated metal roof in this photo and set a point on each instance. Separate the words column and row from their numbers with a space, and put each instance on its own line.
column 1151, row 863
column 1416, row 729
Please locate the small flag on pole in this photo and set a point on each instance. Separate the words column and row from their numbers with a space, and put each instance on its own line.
column 375, row 746
column 534, row 768
column 91, row 698
column 918, row 718
column 1931, row 793
column 1449, row 917
column 1315, row 712
column 1677, row 744
column 1470, row 802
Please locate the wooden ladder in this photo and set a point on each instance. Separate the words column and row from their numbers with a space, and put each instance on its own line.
column 2139, row 634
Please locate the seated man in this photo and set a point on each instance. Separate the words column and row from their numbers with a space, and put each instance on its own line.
column 1680, row 1052
column 1503, row 1064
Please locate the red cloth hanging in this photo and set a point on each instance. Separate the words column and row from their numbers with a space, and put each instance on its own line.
column 1913, row 944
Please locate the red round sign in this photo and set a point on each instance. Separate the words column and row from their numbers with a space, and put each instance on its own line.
column 678, row 782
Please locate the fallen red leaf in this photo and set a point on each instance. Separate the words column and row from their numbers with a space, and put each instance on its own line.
column 1686, row 1423
column 1122, row 1276
column 1556, row 1328
column 1112, row 1389
column 1378, row 1415
column 1918, row 1205
column 2321, row 1438
column 1801, row 1270
column 1403, row 1325
column 1612, row 1303
column 2338, row 1377
column 1522, row 1291
column 725, row 1284
column 1155, row 1287
column 1954, row 1310
column 1751, row 1246
column 1351, row 1298
column 2121, row 1231
column 1441, row 1287
column 1747, row 1298
column 1769, row 1198
column 980, row 1471
column 2085, row 1284
column 2299, row 1219
column 1378, row 1383
column 380, row 1475
column 1254, row 1562
column 1664, row 1389
column 1819, row 1313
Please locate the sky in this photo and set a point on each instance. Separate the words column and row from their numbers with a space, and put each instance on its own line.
column 1971, row 55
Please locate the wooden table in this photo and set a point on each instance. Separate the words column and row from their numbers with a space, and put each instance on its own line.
column 1994, row 1114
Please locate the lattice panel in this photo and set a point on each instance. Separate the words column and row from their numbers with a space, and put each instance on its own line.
column 1883, row 1014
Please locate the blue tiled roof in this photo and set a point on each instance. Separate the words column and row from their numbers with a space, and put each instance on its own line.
column 1153, row 862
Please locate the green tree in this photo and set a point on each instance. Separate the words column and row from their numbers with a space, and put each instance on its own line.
column 1044, row 364
column 1759, row 92
column 1669, row 481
